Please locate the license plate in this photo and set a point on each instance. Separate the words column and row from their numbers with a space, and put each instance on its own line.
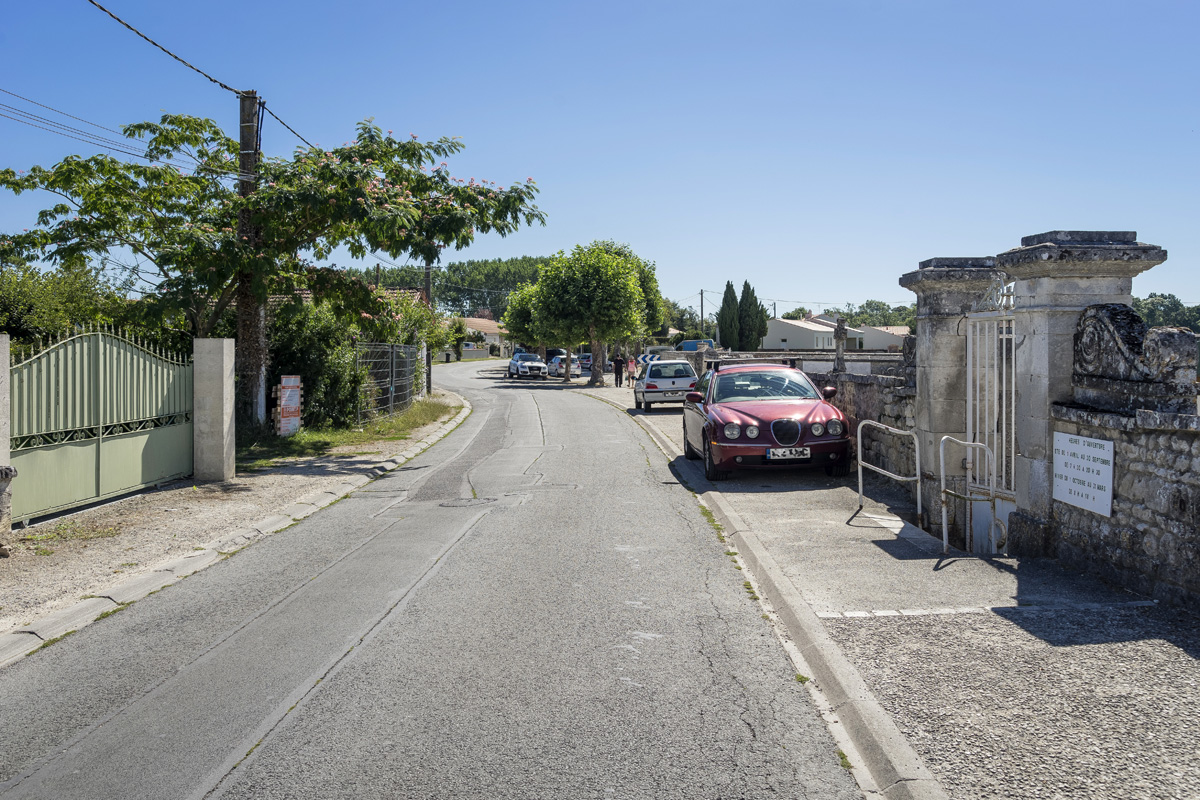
column 672, row 394
column 788, row 452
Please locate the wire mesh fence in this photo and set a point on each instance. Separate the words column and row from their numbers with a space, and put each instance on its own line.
column 391, row 377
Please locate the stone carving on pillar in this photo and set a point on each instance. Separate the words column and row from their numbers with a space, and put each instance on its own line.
column 839, row 340
column 1123, row 365
column 994, row 299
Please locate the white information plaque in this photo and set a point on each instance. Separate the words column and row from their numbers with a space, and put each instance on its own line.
column 1083, row 472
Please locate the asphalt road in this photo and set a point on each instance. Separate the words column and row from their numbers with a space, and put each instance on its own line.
column 534, row 608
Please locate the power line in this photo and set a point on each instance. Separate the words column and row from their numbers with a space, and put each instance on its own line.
column 284, row 124
column 165, row 50
column 56, row 111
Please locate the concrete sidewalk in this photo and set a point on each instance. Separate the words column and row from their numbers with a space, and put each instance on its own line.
column 954, row 675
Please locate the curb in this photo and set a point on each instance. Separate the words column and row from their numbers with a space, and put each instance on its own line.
column 22, row 641
column 895, row 768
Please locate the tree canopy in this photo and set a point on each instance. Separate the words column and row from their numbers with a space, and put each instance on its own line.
column 179, row 226
column 752, row 319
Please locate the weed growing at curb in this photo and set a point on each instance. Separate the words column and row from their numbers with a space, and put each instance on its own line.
column 845, row 762
column 711, row 519
column 111, row 611
column 55, row 640
column 750, row 589
column 802, row 679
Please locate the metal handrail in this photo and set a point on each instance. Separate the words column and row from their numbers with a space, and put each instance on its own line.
column 991, row 463
column 881, row 470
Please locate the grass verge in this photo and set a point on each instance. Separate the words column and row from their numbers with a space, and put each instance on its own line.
column 260, row 449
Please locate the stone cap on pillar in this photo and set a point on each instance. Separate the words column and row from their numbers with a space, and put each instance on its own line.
column 951, row 286
column 1080, row 254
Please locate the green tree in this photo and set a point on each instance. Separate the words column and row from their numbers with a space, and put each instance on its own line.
column 800, row 312
column 458, row 335
column 1167, row 310
column 315, row 344
column 728, row 320
column 375, row 193
column 36, row 303
column 593, row 294
column 752, row 319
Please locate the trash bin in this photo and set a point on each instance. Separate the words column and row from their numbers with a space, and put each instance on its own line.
column 449, row 355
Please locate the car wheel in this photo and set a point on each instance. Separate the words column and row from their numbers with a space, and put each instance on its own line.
column 648, row 406
column 838, row 469
column 636, row 403
column 710, row 467
column 689, row 452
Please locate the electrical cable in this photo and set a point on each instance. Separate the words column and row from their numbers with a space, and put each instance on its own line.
column 289, row 127
column 165, row 50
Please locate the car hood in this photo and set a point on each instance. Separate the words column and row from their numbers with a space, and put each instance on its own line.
column 760, row 412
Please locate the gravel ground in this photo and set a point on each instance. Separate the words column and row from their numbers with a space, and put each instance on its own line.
column 56, row 562
column 1041, row 704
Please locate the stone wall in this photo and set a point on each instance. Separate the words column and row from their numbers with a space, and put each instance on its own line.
column 879, row 398
column 1151, row 543
column 1135, row 387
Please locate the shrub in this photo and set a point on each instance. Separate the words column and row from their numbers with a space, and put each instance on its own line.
column 310, row 341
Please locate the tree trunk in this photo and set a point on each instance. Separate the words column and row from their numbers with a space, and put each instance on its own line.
column 251, row 355
column 598, row 361
column 567, row 372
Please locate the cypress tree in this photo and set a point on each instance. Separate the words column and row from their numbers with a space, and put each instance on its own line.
column 752, row 319
column 728, row 323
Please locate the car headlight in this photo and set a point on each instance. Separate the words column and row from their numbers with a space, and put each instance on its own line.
column 732, row 430
column 752, row 431
column 817, row 429
column 836, row 428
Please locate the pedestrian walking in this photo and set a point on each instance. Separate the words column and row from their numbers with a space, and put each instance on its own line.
column 618, row 370
column 632, row 369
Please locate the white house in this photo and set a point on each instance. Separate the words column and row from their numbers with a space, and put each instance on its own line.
column 806, row 334
column 884, row 337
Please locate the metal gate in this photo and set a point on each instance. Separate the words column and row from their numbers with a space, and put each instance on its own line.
column 991, row 413
column 391, row 373
column 96, row 415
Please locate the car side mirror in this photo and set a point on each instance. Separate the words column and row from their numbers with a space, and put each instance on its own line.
column 829, row 392
column 694, row 397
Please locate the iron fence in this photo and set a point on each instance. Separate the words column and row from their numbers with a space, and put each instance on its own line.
column 391, row 376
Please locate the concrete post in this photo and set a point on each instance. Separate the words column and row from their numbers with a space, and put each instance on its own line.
column 946, row 289
column 1057, row 275
column 7, row 473
column 212, row 409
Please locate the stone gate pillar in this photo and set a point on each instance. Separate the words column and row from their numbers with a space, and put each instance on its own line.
column 946, row 289
column 1057, row 275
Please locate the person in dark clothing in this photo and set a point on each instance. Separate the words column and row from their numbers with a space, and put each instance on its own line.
column 618, row 370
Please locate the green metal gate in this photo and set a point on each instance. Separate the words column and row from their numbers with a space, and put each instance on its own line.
column 94, row 416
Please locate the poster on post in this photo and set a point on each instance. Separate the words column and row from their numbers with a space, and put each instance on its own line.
column 287, row 417
column 1083, row 472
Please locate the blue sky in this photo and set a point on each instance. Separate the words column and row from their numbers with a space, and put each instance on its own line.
column 818, row 150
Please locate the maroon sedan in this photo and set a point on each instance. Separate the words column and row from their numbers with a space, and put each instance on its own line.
column 763, row 415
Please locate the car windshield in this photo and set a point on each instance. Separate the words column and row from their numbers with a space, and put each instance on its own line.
column 664, row 371
column 527, row 357
column 772, row 385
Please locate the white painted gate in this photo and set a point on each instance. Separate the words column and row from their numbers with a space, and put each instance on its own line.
column 991, row 416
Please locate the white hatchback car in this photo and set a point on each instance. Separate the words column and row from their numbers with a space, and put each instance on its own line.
column 663, row 382
column 558, row 367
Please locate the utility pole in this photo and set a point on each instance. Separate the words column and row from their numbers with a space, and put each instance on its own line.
column 428, row 349
column 701, row 313
column 251, row 311
column 774, row 311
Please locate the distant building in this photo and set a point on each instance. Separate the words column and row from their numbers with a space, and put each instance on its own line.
column 807, row 334
column 884, row 337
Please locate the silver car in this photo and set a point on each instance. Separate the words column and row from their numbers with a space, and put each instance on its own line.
column 527, row 365
column 558, row 367
column 663, row 382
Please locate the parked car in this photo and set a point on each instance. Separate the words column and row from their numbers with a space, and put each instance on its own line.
column 526, row 365
column 662, row 382
column 763, row 415
column 558, row 367
column 551, row 352
column 585, row 361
